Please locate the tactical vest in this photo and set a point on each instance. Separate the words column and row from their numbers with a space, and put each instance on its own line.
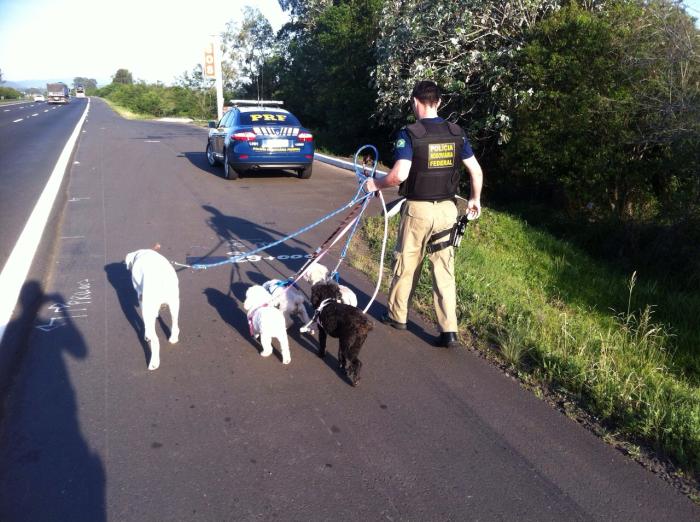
column 434, row 173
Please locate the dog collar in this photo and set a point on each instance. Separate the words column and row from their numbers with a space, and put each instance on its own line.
column 317, row 312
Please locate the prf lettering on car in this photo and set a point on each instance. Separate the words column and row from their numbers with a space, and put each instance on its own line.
column 441, row 155
column 268, row 117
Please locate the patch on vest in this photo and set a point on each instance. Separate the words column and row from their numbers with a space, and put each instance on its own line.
column 441, row 155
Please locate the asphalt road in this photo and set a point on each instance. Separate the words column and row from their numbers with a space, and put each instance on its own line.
column 32, row 136
column 220, row 433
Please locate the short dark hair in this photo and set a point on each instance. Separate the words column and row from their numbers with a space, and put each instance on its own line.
column 427, row 91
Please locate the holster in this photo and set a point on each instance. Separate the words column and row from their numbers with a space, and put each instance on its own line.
column 454, row 236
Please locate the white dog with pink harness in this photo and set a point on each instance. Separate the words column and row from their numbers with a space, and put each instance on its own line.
column 266, row 322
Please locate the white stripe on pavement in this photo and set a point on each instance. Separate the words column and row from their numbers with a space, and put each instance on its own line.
column 15, row 121
column 17, row 265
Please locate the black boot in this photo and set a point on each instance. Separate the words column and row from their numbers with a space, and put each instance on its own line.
column 449, row 340
column 390, row 322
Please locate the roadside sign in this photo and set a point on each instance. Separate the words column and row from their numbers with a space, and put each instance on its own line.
column 209, row 62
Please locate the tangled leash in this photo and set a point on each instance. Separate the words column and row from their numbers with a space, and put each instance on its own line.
column 358, row 204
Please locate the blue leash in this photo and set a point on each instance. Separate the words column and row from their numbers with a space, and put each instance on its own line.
column 361, row 174
column 357, row 199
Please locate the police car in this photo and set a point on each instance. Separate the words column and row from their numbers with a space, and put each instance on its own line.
column 259, row 135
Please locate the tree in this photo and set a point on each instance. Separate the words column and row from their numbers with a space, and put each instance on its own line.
column 201, row 90
column 90, row 84
column 246, row 47
column 1, row 79
column 467, row 49
column 123, row 76
column 326, row 65
column 613, row 110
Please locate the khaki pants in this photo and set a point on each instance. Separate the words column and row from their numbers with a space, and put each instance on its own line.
column 419, row 221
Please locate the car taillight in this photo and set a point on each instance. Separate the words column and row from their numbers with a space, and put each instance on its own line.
column 305, row 136
column 244, row 136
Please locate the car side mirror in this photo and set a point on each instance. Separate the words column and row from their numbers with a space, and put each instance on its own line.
column 212, row 124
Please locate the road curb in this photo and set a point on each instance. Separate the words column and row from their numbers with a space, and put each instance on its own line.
column 336, row 162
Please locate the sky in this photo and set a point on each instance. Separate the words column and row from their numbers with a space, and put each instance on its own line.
column 156, row 40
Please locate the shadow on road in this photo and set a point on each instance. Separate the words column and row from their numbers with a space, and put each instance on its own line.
column 47, row 470
column 199, row 160
column 120, row 279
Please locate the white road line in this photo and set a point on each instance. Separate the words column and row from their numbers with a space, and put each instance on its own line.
column 15, row 121
column 46, row 110
column 35, row 114
column 17, row 265
column 6, row 110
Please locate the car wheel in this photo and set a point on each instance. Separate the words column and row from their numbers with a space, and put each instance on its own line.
column 211, row 159
column 305, row 173
column 229, row 171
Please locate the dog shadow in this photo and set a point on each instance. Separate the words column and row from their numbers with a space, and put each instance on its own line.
column 120, row 279
column 233, row 314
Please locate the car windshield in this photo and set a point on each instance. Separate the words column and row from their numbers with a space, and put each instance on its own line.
column 268, row 118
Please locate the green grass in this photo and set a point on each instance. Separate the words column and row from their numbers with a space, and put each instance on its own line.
column 126, row 113
column 623, row 347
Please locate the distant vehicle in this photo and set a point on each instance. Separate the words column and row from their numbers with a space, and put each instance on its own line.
column 58, row 93
column 258, row 135
column 39, row 97
column 79, row 91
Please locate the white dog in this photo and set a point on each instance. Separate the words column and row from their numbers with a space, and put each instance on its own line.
column 289, row 299
column 318, row 273
column 156, row 284
column 266, row 321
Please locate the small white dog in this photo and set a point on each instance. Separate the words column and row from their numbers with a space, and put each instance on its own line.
column 289, row 299
column 156, row 284
column 266, row 321
column 318, row 273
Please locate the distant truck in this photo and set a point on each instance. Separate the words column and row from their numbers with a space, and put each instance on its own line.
column 57, row 93
column 79, row 91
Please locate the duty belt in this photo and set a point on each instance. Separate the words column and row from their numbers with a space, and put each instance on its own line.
column 456, row 233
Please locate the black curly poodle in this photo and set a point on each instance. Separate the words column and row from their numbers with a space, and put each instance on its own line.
column 342, row 321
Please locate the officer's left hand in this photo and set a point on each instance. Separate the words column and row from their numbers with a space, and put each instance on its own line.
column 473, row 209
column 370, row 185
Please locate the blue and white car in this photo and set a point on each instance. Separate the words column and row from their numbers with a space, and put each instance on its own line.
column 259, row 135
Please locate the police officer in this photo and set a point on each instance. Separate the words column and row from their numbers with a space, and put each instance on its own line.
column 427, row 167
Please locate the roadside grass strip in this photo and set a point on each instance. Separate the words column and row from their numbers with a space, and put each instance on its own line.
column 126, row 113
column 558, row 317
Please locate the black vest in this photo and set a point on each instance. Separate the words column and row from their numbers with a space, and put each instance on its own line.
column 434, row 173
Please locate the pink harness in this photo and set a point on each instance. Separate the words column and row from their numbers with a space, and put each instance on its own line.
column 250, row 317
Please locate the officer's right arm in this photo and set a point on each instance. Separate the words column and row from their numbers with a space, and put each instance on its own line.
column 477, row 180
column 397, row 175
